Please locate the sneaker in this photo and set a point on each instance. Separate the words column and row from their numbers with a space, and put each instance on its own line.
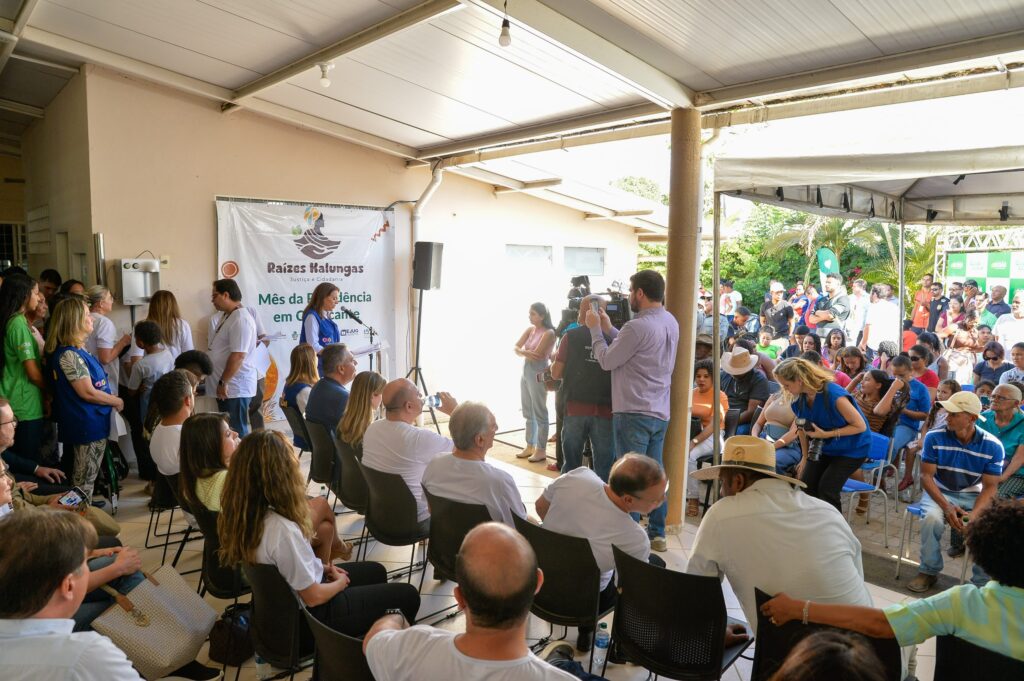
column 659, row 544
column 922, row 583
column 557, row 650
column 194, row 671
column 553, row 467
column 538, row 456
column 955, row 551
column 527, row 451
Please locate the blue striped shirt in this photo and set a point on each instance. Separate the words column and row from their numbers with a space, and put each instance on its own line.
column 961, row 466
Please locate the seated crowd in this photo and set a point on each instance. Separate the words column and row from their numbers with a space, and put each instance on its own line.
column 813, row 382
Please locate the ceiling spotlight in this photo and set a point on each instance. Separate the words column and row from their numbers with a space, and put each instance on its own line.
column 325, row 68
column 505, row 38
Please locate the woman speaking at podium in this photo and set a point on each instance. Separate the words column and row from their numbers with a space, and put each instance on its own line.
column 318, row 329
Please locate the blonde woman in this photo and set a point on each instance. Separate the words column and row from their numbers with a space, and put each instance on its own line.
column 103, row 342
column 302, row 376
column 265, row 519
column 833, row 418
column 175, row 331
column 81, row 391
column 363, row 403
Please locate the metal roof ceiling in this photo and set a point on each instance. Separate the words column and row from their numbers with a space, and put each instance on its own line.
column 427, row 79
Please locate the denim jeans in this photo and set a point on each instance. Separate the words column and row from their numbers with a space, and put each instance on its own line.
column 643, row 435
column 575, row 431
column 902, row 436
column 535, row 403
column 237, row 409
column 784, row 456
column 933, row 525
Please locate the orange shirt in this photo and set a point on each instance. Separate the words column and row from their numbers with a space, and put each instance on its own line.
column 700, row 405
column 909, row 340
column 922, row 299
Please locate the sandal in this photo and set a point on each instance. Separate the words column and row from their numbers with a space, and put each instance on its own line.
column 692, row 508
column 905, row 483
column 862, row 505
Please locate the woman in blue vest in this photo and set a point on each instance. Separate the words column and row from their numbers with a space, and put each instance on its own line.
column 302, row 376
column 318, row 330
column 834, row 421
column 81, row 392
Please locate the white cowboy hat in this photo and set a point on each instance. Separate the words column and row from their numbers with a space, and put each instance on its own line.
column 749, row 453
column 738, row 362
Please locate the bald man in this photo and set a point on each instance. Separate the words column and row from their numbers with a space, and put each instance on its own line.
column 497, row 578
column 395, row 445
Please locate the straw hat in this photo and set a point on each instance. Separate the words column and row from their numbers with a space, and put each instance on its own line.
column 738, row 362
column 746, row 452
column 704, row 339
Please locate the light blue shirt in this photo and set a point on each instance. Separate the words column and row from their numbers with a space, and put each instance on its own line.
column 46, row 650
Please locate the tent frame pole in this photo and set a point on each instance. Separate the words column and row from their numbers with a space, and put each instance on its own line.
column 902, row 275
column 716, row 336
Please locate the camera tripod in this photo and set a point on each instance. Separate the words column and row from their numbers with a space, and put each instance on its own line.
column 416, row 372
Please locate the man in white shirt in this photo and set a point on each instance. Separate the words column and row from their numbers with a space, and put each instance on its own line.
column 1009, row 328
column 766, row 533
column 395, row 445
column 43, row 579
column 174, row 400
column 580, row 504
column 233, row 380
column 859, row 301
column 465, row 476
column 498, row 577
column 729, row 299
column 882, row 322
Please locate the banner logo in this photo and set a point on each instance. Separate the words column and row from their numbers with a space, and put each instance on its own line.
column 229, row 270
column 313, row 243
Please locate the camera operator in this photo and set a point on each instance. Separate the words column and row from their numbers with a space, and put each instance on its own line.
column 641, row 358
column 834, row 436
column 587, row 389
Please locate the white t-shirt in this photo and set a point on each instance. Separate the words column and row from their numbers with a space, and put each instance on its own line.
column 728, row 302
column 165, row 448
column 47, row 650
column 184, row 343
column 475, row 482
column 581, row 508
column 424, row 652
column 397, row 447
column 1008, row 330
column 259, row 360
column 775, row 537
column 284, row 546
column 884, row 319
column 104, row 335
column 236, row 333
column 148, row 369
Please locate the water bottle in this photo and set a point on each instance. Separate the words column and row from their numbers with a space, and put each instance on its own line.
column 263, row 668
column 601, row 641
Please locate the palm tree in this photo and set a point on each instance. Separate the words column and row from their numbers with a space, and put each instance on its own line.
column 919, row 260
column 837, row 234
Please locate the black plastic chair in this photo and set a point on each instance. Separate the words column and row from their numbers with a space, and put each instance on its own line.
column 775, row 642
column 391, row 512
column 684, row 641
column 278, row 630
column 164, row 500
column 571, row 593
column 321, row 464
column 957, row 659
column 298, row 425
column 220, row 581
column 337, row 656
column 450, row 521
column 350, row 485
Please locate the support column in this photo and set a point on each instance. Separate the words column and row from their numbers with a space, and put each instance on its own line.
column 684, row 222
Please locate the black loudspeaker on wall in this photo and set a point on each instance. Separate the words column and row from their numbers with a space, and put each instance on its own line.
column 426, row 265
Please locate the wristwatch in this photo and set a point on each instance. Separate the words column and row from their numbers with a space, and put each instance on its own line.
column 395, row 611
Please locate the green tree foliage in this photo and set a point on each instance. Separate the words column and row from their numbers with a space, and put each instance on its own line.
column 642, row 186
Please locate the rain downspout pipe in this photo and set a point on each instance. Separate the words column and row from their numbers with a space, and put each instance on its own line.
column 436, row 175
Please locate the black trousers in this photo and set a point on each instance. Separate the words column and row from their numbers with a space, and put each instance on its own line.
column 826, row 476
column 368, row 595
column 256, row 406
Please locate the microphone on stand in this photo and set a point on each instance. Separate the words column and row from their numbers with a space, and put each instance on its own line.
column 350, row 313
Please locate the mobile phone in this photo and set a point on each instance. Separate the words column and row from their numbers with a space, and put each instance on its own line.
column 72, row 498
column 595, row 307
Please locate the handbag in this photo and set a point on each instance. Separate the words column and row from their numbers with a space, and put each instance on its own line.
column 160, row 625
column 230, row 642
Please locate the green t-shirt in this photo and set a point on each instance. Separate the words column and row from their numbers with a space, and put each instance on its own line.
column 1012, row 436
column 770, row 350
column 20, row 345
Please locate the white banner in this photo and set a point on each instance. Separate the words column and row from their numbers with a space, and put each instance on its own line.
column 278, row 252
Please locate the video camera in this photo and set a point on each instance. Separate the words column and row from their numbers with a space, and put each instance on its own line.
column 617, row 306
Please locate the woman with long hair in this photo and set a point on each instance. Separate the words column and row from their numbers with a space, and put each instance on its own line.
column 207, row 445
column 703, row 406
column 265, row 519
column 852, row 361
column 881, row 398
column 920, row 357
column 81, row 391
column 103, row 343
column 834, row 343
column 777, row 425
column 964, row 346
column 993, row 364
column 318, row 329
column 174, row 330
column 535, row 346
column 937, row 363
column 302, row 376
column 363, row 402
column 21, row 371
column 833, row 419
column 950, row 319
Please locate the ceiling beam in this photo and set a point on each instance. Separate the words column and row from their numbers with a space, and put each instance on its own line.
column 18, row 107
column 619, row 214
column 20, row 21
column 70, row 70
column 156, row 74
column 529, row 132
column 870, row 68
column 413, row 16
column 530, row 186
column 653, row 84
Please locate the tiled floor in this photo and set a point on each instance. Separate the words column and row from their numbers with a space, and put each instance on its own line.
column 134, row 515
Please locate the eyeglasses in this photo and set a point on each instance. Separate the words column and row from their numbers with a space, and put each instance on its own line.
column 13, row 420
column 1002, row 398
column 705, row 297
column 915, row 358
